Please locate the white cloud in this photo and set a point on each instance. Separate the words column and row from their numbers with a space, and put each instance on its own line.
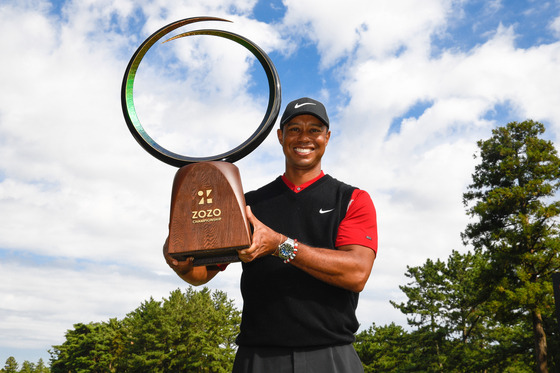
column 376, row 28
column 555, row 27
column 37, row 310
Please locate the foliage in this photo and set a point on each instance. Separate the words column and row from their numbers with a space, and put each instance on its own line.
column 41, row 368
column 385, row 349
column 517, row 229
column 490, row 310
column 11, row 365
column 192, row 331
column 444, row 296
column 26, row 367
column 453, row 329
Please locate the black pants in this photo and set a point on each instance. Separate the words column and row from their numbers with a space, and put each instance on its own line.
column 335, row 359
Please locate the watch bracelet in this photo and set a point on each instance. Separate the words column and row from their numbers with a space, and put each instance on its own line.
column 294, row 253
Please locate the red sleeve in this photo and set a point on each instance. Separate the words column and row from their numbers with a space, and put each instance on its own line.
column 359, row 226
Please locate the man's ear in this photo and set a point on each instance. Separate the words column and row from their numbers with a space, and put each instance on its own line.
column 280, row 136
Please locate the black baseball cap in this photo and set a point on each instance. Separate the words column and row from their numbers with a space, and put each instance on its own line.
column 304, row 105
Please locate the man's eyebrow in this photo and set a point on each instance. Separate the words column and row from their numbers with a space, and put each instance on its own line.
column 296, row 123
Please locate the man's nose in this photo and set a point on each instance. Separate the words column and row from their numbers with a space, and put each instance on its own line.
column 304, row 136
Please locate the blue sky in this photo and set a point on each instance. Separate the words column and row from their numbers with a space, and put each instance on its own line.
column 410, row 87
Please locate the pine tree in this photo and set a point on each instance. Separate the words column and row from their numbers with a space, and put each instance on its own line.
column 513, row 198
column 11, row 365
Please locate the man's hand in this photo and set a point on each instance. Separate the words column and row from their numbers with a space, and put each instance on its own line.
column 186, row 270
column 265, row 240
column 181, row 268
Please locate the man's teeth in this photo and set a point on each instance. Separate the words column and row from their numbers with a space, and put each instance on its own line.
column 302, row 150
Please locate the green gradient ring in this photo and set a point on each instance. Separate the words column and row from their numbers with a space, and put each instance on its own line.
column 178, row 160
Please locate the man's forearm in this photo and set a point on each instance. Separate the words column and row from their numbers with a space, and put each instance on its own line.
column 348, row 267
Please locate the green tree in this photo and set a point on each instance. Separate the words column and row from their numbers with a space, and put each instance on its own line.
column 41, row 368
column 27, row 367
column 11, row 365
column 88, row 348
column 455, row 329
column 448, row 313
column 426, row 300
column 189, row 332
column 516, row 231
column 384, row 349
column 194, row 332
column 147, row 346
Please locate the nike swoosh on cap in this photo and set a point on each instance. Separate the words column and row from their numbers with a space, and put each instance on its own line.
column 297, row 106
column 321, row 211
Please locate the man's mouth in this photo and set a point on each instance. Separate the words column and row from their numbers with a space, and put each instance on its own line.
column 303, row 151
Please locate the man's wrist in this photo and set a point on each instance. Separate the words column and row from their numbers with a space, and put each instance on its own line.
column 281, row 239
column 288, row 249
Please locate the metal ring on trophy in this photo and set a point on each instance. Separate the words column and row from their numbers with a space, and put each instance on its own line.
column 179, row 160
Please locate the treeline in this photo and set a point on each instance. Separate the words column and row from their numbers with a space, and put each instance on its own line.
column 455, row 327
column 488, row 309
column 191, row 331
column 12, row 366
column 188, row 332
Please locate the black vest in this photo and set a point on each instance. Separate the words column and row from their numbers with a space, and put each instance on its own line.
column 284, row 306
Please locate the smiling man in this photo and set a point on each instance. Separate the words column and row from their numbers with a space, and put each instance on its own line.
column 314, row 244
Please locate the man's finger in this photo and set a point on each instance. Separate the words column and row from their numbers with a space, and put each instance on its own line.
column 252, row 218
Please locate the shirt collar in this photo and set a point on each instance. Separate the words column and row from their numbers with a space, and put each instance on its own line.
column 299, row 188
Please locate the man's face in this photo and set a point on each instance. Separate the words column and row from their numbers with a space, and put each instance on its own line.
column 304, row 139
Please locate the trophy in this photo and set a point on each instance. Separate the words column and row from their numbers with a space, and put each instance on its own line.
column 207, row 218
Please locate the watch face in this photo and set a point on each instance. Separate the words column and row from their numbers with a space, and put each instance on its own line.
column 285, row 250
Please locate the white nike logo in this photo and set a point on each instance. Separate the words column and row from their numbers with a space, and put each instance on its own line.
column 321, row 211
column 297, row 106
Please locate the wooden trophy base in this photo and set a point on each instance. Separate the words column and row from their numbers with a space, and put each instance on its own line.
column 208, row 220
